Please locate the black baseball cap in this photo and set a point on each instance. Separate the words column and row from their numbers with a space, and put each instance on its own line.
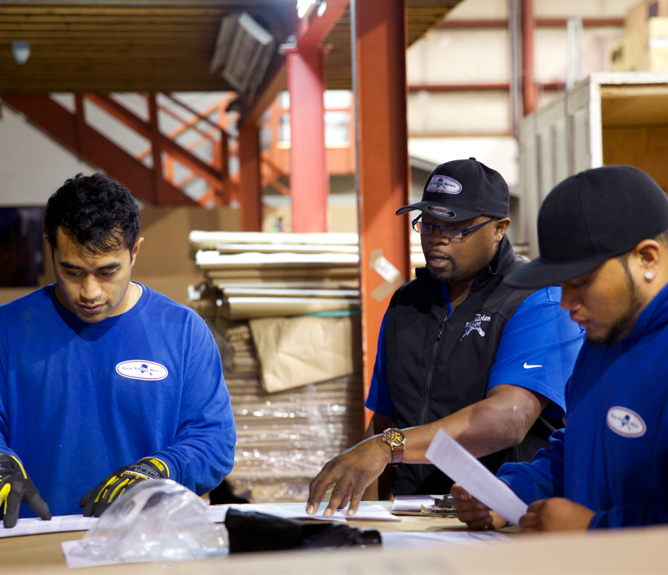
column 461, row 190
column 589, row 218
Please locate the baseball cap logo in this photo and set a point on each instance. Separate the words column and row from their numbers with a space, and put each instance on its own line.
column 444, row 185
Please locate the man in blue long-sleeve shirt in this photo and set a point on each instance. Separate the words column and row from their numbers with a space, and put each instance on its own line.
column 104, row 382
column 603, row 236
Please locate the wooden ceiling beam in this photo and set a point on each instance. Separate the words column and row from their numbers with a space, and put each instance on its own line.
column 120, row 45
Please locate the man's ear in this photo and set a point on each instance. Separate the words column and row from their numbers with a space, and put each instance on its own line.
column 500, row 228
column 649, row 256
column 135, row 250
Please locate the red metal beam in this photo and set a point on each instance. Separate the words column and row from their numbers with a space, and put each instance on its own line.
column 382, row 138
column 586, row 22
column 473, row 24
column 458, row 87
column 192, row 111
column 122, row 114
column 528, row 81
column 250, row 179
column 96, row 149
column 314, row 30
column 80, row 120
column 540, row 23
column 309, row 181
column 310, row 34
column 480, row 87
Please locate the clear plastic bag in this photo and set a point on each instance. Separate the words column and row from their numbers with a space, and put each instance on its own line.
column 157, row 520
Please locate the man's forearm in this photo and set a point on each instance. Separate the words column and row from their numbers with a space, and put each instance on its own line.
column 381, row 487
column 499, row 421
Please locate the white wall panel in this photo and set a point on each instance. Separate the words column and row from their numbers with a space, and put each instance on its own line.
column 460, row 57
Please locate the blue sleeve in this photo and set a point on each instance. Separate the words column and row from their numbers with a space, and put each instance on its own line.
column 629, row 515
column 4, row 399
column 538, row 349
column 379, row 400
column 202, row 453
column 540, row 479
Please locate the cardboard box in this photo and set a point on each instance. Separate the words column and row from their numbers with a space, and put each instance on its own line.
column 643, row 49
column 638, row 16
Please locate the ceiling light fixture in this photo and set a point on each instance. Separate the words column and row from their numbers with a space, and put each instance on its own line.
column 243, row 52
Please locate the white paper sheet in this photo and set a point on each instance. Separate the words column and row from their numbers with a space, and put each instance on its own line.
column 216, row 513
column 403, row 539
column 59, row 523
column 453, row 460
column 368, row 512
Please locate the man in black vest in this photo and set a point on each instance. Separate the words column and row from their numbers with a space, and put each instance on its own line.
column 458, row 350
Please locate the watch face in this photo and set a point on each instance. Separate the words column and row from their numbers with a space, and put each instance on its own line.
column 394, row 437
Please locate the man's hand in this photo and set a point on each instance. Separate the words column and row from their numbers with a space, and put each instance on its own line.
column 95, row 502
column 350, row 473
column 556, row 514
column 15, row 488
column 475, row 514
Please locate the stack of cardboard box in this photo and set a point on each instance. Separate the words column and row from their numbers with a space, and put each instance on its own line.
column 286, row 323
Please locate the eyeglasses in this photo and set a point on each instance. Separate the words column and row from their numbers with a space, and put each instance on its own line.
column 452, row 233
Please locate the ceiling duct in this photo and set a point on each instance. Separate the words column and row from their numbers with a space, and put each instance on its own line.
column 243, row 52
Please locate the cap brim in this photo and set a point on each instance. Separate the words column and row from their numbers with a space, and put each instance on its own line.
column 540, row 274
column 432, row 208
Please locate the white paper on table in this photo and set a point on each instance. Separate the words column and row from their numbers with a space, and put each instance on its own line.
column 403, row 539
column 215, row 513
column 453, row 460
column 76, row 557
column 297, row 511
column 414, row 503
column 57, row 524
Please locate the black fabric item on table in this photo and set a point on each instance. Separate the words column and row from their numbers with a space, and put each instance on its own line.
column 252, row 531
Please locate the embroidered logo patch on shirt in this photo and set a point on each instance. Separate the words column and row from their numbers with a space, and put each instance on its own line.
column 625, row 422
column 142, row 369
column 444, row 185
column 475, row 325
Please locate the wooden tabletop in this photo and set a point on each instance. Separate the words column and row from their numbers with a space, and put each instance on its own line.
column 624, row 551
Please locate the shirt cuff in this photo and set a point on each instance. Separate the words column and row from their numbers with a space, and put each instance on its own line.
column 600, row 521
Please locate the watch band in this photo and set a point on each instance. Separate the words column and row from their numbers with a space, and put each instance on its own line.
column 397, row 454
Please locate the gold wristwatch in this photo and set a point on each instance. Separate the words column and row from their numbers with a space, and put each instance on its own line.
column 396, row 439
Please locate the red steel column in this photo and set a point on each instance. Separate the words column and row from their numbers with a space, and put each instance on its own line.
column 309, row 181
column 528, row 79
column 379, row 79
column 250, row 181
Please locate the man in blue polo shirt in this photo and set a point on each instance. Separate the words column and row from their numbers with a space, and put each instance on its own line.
column 608, row 468
column 458, row 349
column 104, row 382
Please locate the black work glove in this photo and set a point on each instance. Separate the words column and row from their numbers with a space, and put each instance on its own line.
column 16, row 487
column 95, row 502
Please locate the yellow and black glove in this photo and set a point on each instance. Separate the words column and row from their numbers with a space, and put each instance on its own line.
column 15, row 488
column 96, row 501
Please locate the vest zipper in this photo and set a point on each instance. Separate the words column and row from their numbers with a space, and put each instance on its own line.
column 430, row 373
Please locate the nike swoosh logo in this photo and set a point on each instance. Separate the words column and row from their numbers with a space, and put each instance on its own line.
column 527, row 366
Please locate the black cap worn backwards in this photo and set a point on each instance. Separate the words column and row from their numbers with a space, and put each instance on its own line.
column 461, row 190
column 589, row 218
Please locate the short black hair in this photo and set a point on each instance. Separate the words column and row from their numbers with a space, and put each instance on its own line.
column 99, row 212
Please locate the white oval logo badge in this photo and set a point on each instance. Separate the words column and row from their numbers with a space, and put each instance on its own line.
column 625, row 422
column 444, row 185
column 141, row 369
